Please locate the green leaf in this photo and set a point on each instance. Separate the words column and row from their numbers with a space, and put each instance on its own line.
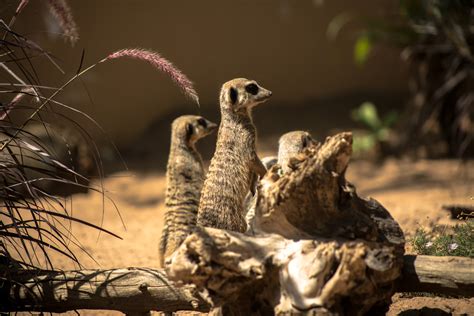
column 367, row 114
column 363, row 143
column 362, row 49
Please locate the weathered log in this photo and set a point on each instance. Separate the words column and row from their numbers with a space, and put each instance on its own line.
column 316, row 199
column 441, row 275
column 116, row 289
column 318, row 246
column 130, row 290
column 268, row 273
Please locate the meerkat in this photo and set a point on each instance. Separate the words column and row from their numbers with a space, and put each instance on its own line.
column 291, row 144
column 235, row 164
column 184, row 180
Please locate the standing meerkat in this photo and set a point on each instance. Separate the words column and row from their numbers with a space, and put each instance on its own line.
column 184, row 179
column 235, row 164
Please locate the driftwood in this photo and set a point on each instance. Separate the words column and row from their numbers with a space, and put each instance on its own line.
column 138, row 290
column 316, row 200
column 318, row 247
column 270, row 273
column 443, row 275
column 131, row 290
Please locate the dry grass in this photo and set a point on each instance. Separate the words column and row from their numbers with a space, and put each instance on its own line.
column 34, row 222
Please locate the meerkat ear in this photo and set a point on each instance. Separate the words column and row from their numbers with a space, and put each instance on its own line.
column 233, row 95
column 189, row 129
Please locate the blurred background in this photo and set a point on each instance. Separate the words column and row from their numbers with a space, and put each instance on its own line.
column 285, row 45
column 399, row 74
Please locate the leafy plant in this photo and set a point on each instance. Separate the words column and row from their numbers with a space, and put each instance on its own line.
column 377, row 129
column 436, row 38
column 456, row 242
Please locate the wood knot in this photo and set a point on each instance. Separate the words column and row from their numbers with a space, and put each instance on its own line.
column 143, row 287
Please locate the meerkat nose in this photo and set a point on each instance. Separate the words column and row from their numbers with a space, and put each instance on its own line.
column 212, row 126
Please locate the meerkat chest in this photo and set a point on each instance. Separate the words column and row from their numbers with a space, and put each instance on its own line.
column 239, row 138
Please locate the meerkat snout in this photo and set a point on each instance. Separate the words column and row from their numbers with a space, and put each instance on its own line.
column 260, row 94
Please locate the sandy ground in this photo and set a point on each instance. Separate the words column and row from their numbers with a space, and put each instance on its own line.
column 412, row 191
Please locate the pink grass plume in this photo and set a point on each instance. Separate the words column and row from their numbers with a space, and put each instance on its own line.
column 63, row 14
column 162, row 64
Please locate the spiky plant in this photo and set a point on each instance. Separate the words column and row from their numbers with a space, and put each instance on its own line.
column 33, row 221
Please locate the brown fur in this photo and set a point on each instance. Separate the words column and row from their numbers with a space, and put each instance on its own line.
column 235, row 164
column 184, row 179
column 290, row 144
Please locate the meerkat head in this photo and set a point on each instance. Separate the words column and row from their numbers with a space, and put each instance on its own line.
column 191, row 128
column 241, row 95
column 291, row 144
column 295, row 141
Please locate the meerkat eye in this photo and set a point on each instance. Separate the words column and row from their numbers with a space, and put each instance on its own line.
column 233, row 95
column 189, row 129
column 251, row 88
column 202, row 122
column 305, row 141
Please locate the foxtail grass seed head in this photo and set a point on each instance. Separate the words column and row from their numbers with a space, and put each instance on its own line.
column 63, row 14
column 162, row 64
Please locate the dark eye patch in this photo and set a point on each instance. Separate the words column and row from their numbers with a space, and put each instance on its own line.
column 202, row 122
column 305, row 142
column 251, row 88
column 233, row 95
column 189, row 129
